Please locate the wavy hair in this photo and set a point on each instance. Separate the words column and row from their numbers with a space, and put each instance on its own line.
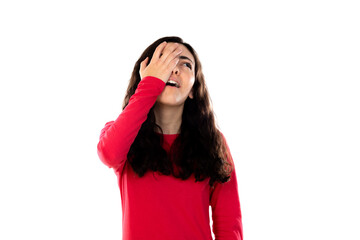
column 200, row 148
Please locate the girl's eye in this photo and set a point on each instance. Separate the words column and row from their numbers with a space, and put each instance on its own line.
column 188, row 65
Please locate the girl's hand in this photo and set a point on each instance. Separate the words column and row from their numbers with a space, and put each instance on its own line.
column 162, row 63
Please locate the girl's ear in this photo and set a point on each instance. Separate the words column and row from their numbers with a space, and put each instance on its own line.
column 191, row 95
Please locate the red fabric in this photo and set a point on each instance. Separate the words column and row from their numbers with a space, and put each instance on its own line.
column 164, row 207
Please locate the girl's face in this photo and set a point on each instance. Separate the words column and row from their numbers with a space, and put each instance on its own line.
column 184, row 76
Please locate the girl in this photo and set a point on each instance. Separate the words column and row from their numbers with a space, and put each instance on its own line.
column 171, row 160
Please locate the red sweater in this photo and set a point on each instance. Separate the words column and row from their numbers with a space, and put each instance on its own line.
column 164, row 207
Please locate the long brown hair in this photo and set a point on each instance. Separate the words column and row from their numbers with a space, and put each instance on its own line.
column 200, row 147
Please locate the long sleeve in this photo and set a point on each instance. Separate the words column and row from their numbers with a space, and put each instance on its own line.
column 225, row 206
column 117, row 136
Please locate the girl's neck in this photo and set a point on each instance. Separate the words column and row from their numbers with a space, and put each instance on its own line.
column 168, row 117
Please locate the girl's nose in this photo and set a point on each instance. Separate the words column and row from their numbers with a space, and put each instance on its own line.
column 176, row 70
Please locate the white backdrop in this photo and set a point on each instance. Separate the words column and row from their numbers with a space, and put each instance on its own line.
column 283, row 77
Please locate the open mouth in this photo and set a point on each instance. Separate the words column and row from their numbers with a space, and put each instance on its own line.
column 172, row 83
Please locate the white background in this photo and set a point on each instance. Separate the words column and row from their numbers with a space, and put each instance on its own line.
column 283, row 77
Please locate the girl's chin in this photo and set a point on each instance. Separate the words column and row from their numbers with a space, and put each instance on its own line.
column 170, row 99
column 168, row 102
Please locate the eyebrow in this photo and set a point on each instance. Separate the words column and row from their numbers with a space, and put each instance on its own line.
column 185, row 57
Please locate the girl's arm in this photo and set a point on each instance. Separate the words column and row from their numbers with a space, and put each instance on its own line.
column 225, row 207
column 117, row 136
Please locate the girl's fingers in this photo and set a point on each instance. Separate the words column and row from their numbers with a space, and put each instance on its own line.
column 143, row 65
column 159, row 49
column 164, row 59
column 173, row 55
column 169, row 49
column 172, row 64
